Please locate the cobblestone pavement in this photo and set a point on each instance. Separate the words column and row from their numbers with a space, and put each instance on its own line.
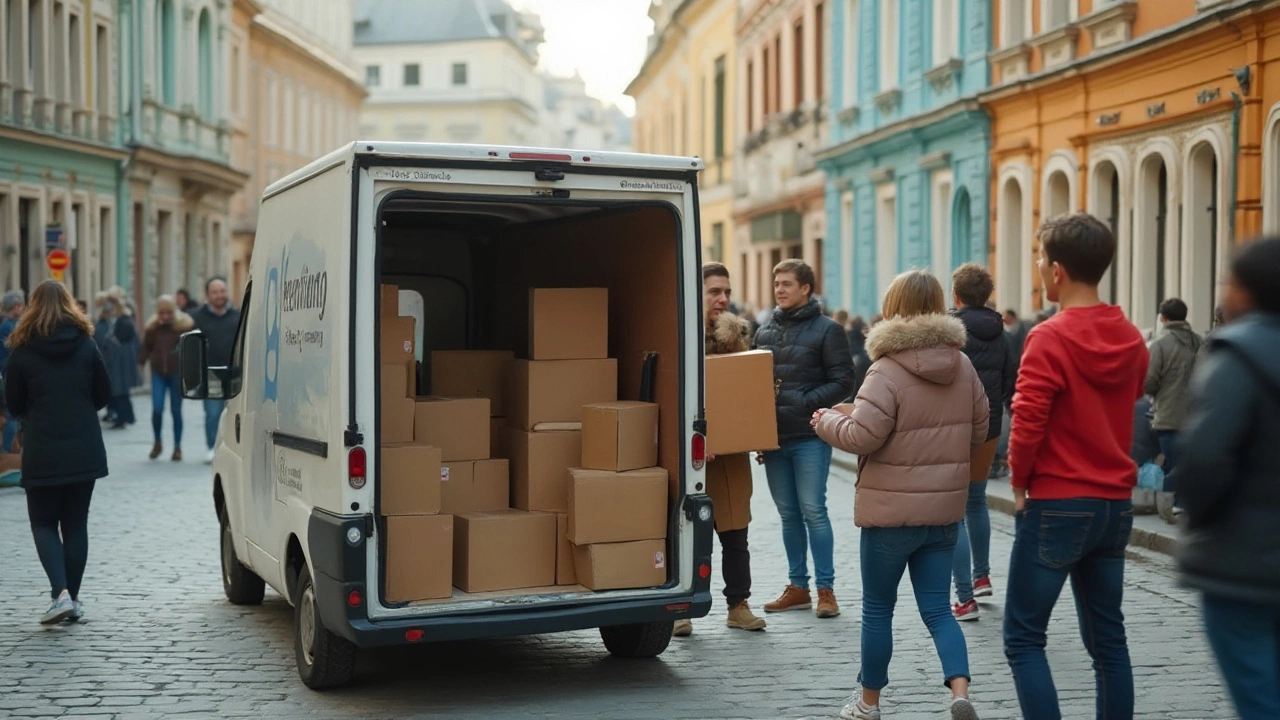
column 160, row 641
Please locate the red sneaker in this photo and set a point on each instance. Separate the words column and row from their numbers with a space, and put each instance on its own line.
column 982, row 587
column 965, row 612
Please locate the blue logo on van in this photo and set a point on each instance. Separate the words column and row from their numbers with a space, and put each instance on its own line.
column 271, row 346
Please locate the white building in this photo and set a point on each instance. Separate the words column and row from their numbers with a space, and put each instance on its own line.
column 578, row 120
column 450, row 71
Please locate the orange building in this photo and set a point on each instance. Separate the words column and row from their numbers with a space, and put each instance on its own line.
column 1157, row 116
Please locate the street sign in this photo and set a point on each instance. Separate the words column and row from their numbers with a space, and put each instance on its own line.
column 58, row 260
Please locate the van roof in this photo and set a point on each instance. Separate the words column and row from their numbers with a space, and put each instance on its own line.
column 485, row 153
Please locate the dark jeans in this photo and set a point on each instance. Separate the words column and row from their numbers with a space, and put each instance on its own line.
column 170, row 386
column 60, row 524
column 1246, row 641
column 1168, row 447
column 10, row 431
column 885, row 553
column 1084, row 540
column 121, row 407
column 735, row 565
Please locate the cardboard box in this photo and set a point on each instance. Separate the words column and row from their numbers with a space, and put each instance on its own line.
column 459, row 427
column 397, row 338
column 397, row 421
column 474, row 485
column 568, row 323
column 419, row 557
column 555, row 391
column 503, row 550
column 471, row 374
column 565, row 573
column 741, row 410
column 617, row 566
column 540, row 465
column 388, row 300
column 410, row 476
column 609, row 507
column 620, row 436
column 498, row 438
column 398, row 381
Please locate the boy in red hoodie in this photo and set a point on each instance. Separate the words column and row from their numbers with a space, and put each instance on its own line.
column 1082, row 371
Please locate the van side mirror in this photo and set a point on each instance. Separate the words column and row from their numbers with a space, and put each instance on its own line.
column 199, row 381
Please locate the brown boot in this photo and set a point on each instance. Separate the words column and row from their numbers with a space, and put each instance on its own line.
column 792, row 598
column 177, row 455
column 682, row 628
column 156, row 450
column 741, row 618
column 827, row 607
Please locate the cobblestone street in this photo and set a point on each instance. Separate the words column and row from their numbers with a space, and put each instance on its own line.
column 161, row 641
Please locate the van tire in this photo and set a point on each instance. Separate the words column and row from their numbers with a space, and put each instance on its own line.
column 644, row 640
column 241, row 585
column 331, row 660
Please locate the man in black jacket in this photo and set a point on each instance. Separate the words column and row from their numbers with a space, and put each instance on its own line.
column 813, row 369
column 219, row 321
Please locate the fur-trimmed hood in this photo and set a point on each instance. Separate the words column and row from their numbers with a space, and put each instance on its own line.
column 182, row 322
column 926, row 345
column 729, row 334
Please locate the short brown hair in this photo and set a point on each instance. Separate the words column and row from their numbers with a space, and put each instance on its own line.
column 802, row 271
column 714, row 269
column 972, row 284
column 1081, row 244
column 915, row 292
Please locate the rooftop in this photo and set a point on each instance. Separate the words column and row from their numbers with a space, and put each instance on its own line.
column 415, row 22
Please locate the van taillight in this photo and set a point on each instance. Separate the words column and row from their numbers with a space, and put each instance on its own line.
column 357, row 465
column 699, row 451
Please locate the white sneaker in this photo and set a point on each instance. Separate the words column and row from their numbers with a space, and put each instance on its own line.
column 59, row 610
column 78, row 615
column 858, row 710
column 208, row 458
column 962, row 709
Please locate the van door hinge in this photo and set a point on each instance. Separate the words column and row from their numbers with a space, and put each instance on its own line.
column 368, row 525
column 352, row 437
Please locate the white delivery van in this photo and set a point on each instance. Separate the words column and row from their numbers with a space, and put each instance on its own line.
column 465, row 232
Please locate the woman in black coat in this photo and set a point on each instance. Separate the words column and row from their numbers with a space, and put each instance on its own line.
column 57, row 382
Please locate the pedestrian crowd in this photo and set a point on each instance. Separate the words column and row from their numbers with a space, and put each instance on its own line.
column 1074, row 408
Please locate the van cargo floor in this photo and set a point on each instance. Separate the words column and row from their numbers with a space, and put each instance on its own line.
column 460, row 596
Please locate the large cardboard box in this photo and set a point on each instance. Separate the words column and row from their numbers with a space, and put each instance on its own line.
column 565, row 573
column 503, row 550
column 617, row 566
column 471, row 374
column 419, row 557
column 388, row 300
column 568, row 323
column 555, row 391
column 397, row 339
column 474, row 485
column 540, row 465
column 458, row 426
column 608, row 507
column 398, row 381
column 410, row 479
column 397, row 421
column 620, row 436
column 741, row 410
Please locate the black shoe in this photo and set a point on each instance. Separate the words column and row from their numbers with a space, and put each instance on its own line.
column 117, row 425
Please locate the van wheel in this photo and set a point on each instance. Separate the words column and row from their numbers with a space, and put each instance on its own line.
column 240, row 583
column 324, row 659
column 644, row 640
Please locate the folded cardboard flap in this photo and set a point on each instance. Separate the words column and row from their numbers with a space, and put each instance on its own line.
column 618, row 566
column 419, row 557
column 410, row 479
column 606, row 507
column 474, row 486
column 568, row 323
column 540, row 463
column 458, row 426
column 740, row 401
column 555, row 391
column 503, row 550
column 620, row 436
column 471, row 374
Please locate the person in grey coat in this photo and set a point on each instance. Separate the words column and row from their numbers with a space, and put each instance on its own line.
column 1227, row 475
column 1173, row 357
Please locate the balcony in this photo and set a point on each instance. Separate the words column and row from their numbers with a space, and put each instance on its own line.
column 1112, row 25
column 778, row 159
column 20, row 107
column 1014, row 62
column 184, row 132
column 1057, row 47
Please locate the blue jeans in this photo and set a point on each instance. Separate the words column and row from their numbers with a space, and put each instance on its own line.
column 1246, row 641
column 975, row 536
column 797, row 475
column 1083, row 539
column 927, row 551
column 162, row 385
column 212, row 416
column 1168, row 447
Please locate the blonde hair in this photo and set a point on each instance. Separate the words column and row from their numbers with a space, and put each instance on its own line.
column 915, row 292
column 51, row 306
column 166, row 301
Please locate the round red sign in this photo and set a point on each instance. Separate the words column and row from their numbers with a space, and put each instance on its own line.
column 58, row 260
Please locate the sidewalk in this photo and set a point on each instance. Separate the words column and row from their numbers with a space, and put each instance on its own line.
column 1149, row 531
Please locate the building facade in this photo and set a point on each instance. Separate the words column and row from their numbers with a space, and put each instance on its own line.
column 1158, row 116
column 686, row 99
column 462, row 71
column 575, row 119
column 297, row 97
column 779, row 209
column 908, row 164
column 60, row 149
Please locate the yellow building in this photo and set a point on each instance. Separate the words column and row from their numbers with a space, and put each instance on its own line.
column 685, row 96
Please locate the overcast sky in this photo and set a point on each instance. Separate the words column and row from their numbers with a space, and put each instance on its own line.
column 604, row 40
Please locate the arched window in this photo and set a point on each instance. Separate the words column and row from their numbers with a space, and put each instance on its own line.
column 961, row 224
column 1057, row 199
column 1012, row 261
column 1152, row 259
column 1200, row 278
column 1106, row 207
column 206, row 65
column 166, row 53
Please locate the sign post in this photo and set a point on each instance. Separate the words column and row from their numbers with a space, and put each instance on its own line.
column 58, row 262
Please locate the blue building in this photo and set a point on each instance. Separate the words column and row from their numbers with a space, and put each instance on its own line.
column 907, row 168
